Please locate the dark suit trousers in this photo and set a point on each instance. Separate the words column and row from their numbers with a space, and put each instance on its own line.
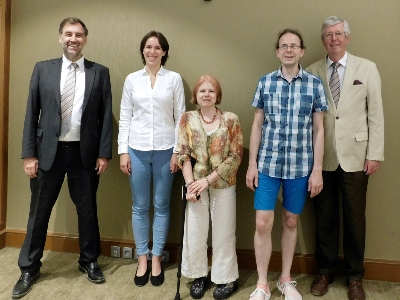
column 45, row 188
column 353, row 189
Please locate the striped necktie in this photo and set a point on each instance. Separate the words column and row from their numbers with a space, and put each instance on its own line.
column 67, row 99
column 334, row 83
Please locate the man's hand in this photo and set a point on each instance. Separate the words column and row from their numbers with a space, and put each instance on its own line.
column 101, row 165
column 125, row 163
column 31, row 165
column 371, row 166
column 315, row 183
column 252, row 177
column 173, row 165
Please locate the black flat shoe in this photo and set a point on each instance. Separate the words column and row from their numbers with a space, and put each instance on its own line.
column 24, row 284
column 144, row 279
column 198, row 288
column 93, row 272
column 224, row 291
column 159, row 279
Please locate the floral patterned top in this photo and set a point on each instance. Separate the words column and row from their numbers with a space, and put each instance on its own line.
column 221, row 151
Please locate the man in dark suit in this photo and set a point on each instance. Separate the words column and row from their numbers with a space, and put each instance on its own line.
column 67, row 130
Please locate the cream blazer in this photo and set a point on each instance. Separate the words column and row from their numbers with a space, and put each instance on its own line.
column 354, row 131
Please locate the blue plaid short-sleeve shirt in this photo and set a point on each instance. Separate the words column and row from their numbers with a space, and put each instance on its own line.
column 286, row 149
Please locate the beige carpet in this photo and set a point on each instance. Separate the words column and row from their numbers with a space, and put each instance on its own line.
column 60, row 279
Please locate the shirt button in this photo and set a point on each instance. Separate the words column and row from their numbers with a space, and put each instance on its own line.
column 337, row 118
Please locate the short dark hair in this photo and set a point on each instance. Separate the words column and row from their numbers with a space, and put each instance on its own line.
column 163, row 43
column 292, row 31
column 72, row 20
column 213, row 81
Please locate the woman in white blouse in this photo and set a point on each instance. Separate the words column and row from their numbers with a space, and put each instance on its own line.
column 152, row 103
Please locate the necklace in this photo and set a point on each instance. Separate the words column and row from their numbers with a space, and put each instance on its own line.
column 201, row 115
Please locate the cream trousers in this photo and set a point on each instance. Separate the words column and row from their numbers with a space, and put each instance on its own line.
column 222, row 208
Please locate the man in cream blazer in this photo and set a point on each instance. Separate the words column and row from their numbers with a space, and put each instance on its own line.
column 354, row 134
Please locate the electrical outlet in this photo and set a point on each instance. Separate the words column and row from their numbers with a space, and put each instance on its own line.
column 115, row 251
column 126, row 252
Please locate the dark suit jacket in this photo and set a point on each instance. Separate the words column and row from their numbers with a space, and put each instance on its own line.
column 43, row 113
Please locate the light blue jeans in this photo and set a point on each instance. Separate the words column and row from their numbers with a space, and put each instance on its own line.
column 147, row 166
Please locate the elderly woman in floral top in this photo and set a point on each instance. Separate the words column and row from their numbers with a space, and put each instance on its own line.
column 214, row 139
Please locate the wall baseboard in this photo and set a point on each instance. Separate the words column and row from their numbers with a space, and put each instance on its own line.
column 375, row 269
column 2, row 239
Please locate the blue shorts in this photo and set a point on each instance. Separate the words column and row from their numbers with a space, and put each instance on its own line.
column 294, row 193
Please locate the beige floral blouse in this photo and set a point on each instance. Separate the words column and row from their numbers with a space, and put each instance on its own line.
column 222, row 151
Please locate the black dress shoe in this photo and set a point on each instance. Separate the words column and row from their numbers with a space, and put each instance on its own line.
column 224, row 291
column 198, row 288
column 93, row 272
column 24, row 284
column 142, row 280
column 159, row 279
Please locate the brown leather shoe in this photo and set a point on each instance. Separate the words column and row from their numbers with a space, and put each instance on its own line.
column 320, row 285
column 356, row 290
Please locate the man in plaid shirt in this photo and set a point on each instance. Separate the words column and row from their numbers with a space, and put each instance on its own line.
column 286, row 148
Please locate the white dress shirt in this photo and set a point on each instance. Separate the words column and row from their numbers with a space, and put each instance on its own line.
column 341, row 69
column 75, row 129
column 149, row 117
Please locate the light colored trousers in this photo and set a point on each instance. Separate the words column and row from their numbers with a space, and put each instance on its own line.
column 222, row 208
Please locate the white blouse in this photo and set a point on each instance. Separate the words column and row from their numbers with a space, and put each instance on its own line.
column 149, row 117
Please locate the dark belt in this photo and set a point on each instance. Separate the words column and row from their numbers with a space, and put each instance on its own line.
column 68, row 144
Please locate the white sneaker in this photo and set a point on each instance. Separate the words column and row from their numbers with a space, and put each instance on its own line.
column 260, row 294
column 289, row 290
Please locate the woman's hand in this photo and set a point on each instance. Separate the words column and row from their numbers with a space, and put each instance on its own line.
column 192, row 192
column 192, row 197
column 173, row 165
column 125, row 163
column 197, row 187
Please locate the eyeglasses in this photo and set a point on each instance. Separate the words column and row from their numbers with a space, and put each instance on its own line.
column 338, row 34
column 286, row 47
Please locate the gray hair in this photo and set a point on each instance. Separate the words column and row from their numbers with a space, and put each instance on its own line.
column 333, row 20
